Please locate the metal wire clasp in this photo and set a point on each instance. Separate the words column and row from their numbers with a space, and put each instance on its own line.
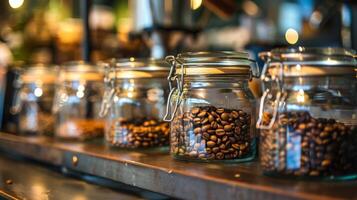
column 279, row 100
column 172, row 78
column 18, row 96
column 109, row 90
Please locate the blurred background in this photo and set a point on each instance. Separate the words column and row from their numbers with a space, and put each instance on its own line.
column 50, row 31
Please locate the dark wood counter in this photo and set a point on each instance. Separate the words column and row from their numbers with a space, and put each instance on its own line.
column 158, row 172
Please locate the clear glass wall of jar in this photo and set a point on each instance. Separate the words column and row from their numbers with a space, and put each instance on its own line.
column 308, row 113
column 77, row 102
column 211, row 108
column 33, row 102
column 134, row 103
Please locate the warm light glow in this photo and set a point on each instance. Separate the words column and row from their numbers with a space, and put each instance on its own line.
column 291, row 36
column 38, row 189
column 250, row 8
column 298, row 67
column 69, row 31
column 38, row 92
column 80, row 93
column 195, row 4
column 81, row 87
column 300, row 97
column 130, row 94
column 16, row 3
column 315, row 19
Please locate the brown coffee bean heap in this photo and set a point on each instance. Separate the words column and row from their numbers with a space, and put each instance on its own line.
column 80, row 129
column 40, row 124
column 139, row 133
column 301, row 145
column 209, row 133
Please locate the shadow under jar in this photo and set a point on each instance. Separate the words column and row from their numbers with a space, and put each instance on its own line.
column 134, row 103
column 77, row 102
column 211, row 107
column 33, row 102
column 308, row 113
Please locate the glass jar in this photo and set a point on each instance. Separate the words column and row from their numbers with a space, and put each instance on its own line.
column 210, row 106
column 134, row 103
column 77, row 102
column 308, row 113
column 34, row 98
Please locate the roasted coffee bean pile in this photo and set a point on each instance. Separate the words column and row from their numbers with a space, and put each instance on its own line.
column 301, row 145
column 139, row 133
column 39, row 123
column 210, row 133
column 80, row 129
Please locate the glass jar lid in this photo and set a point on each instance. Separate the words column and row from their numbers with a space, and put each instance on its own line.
column 206, row 64
column 214, row 63
column 303, row 61
column 80, row 70
column 40, row 73
column 138, row 68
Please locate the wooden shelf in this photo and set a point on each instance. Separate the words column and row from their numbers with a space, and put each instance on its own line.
column 157, row 171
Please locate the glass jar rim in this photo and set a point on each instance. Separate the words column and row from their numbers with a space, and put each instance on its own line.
column 141, row 64
column 81, row 70
column 125, row 68
column 80, row 66
column 315, row 61
column 214, row 63
column 320, row 55
column 205, row 57
column 45, row 73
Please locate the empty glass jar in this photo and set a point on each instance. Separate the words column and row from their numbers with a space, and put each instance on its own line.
column 211, row 107
column 308, row 113
column 77, row 102
column 134, row 103
column 33, row 101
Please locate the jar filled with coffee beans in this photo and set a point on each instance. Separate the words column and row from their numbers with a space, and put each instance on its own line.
column 134, row 103
column 34, row 98
column 308, row 113
column 211, row 107
column 77, row 102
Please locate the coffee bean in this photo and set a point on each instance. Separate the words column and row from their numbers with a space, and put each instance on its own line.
column 210, row 118
column 204, row 121
column 211, row 144
column 222, row 146
column 235, row 114
column 220, row 132
column 197, row 130
column 224, row 138
column 219, row 156
column 215, row 149
column 195, row 110
column 227, row 127
column 196, row 120
column 236, row 146
column 208, row 150
column 213, row 138
column 220, row 110
column 214, row 125
column 225, row 116
column 202, row 114
column 326, row 163
column 205, row 136
column 206, row 127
